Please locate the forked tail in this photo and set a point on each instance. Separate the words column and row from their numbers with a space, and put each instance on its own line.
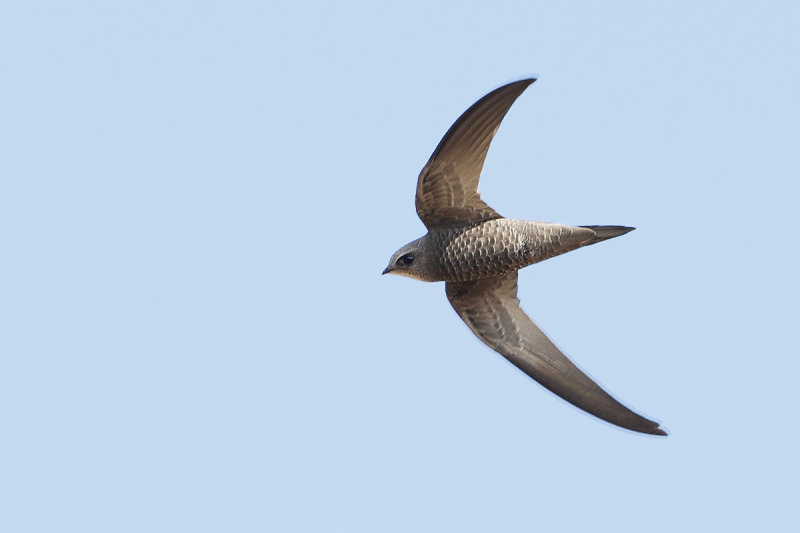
column 608, row 232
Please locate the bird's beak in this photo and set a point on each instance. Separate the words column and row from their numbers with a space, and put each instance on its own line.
column 387, row 270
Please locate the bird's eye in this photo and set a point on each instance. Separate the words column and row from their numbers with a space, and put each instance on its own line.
column 406, row 260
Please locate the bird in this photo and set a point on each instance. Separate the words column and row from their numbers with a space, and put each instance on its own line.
column 478, row 253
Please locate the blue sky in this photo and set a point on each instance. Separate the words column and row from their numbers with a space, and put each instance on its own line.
column 197, row 200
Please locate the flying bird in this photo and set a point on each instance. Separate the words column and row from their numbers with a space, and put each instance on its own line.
column 477, row 253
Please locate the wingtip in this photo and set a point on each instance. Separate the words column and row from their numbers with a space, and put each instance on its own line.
column 645, row 427
column 525, row 81
column 652, row 428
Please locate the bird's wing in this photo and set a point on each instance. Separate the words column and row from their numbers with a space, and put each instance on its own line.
column 490, row 308
column 447, row 189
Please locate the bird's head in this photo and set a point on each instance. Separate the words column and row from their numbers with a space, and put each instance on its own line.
column 414, row 261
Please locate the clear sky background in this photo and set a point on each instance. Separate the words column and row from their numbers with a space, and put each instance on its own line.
column 196, row 203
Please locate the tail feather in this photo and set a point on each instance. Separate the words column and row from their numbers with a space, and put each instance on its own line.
column 603, row 233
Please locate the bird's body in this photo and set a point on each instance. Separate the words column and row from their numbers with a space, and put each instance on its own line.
column 499, row 246
column 477, row 253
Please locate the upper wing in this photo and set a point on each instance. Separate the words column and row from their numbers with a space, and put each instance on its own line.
column 447, row 189
column 490, row 308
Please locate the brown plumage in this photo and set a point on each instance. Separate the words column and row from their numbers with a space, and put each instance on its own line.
column 477, row 253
